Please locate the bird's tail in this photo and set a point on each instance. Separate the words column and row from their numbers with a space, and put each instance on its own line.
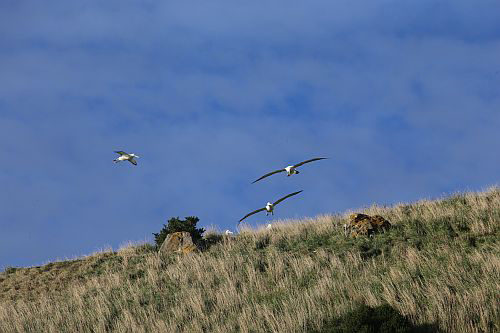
column 297, row 171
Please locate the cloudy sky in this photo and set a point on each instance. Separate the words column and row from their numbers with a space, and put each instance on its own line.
column 403, row 97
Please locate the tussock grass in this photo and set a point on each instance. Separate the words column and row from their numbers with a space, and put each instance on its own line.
column 438, row 266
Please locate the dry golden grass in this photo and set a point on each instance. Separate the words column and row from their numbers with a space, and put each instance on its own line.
column 439, row 264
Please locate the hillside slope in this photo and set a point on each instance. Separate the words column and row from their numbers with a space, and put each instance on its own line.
column 439, row 265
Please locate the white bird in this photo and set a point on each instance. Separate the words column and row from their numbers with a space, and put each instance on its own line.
column 228, row 232
column 270, row 206
column 269, row 226
column 291, row 169
column 126, row 157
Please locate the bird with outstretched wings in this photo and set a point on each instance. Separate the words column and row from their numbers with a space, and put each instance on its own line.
column 125, row 157
column 269, row 207
column 290, row 169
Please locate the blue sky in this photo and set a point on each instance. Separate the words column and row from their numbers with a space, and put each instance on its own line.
column 403, row 97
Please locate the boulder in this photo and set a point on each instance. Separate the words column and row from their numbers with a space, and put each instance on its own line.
column 178, row 242
column 380, row 223
column 362, row 224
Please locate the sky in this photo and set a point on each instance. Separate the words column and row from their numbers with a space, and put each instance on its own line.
column 402, row 97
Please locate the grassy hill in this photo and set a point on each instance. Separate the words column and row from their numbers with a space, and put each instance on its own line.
column 439, row 267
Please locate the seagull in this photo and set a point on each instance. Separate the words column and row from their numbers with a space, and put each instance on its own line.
column 270, row 206
column 228, row 232
column 291, row 169
column 125, row 157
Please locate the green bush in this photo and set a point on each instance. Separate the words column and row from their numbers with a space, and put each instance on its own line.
column 211, row 239
column 381, row 319
column 176, row 225
column 11, row 270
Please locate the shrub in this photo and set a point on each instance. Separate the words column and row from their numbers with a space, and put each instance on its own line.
column 383, row 318
column 211, row 239
column 10, row 270
column 176, row 225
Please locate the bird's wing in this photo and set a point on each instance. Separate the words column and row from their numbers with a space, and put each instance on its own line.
column 121, row 152
column 286, row 196
column 268, row 174
column 131, row 160
column 255, row 211
column 311, row 160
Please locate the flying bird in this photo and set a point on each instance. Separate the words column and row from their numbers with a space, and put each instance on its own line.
column 270, row 206
column 291, row 169
column 125, row 157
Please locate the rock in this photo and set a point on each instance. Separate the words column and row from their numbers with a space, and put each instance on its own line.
column 178, row 242
column 362, row 224
column 380, row 223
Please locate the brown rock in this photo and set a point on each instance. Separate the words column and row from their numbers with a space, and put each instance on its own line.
column 380, row 223
column 178, row 242
column 362, row 224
